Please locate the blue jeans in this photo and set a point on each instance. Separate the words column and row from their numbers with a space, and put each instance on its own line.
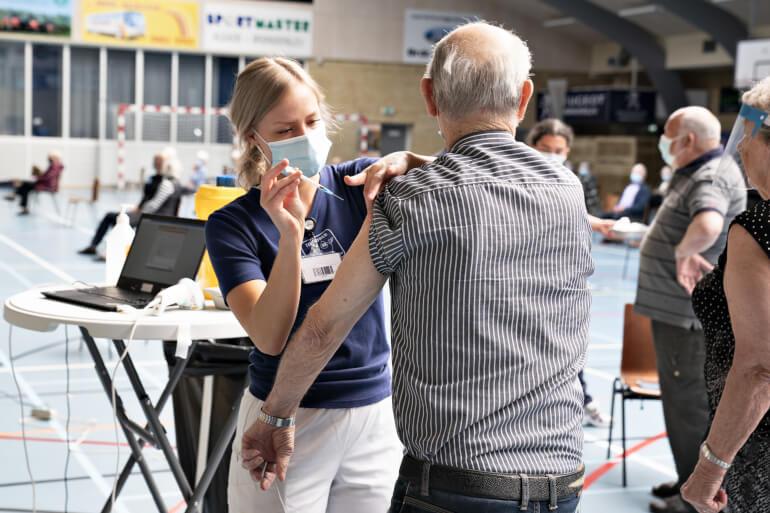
column 407, row 499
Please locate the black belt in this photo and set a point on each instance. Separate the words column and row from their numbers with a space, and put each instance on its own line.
column 518, row 487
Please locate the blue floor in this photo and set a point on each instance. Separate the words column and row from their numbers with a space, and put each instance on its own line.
column 39, row 249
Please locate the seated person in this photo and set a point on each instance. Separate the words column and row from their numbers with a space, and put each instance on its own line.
column 665, row 179
column 199, row 173
column 636, row 195
column 656, row 199
column 44, row 181
column 159, row 197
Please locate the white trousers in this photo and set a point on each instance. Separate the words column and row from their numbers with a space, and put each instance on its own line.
column 344, row 460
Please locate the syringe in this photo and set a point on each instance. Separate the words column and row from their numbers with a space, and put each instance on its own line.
column 317, row 185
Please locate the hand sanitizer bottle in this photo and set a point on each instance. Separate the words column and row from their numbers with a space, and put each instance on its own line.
column 118, row 242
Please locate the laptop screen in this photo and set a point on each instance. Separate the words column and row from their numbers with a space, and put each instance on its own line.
column 165, row 250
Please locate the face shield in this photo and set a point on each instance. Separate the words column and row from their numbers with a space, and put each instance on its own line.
column 737, row 152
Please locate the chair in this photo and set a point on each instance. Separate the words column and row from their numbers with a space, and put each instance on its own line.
column 72, row 204
column 638, row 372
column 52, row 191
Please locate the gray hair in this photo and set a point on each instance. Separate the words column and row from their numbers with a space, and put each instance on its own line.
column 699, row 121
column 468, row 79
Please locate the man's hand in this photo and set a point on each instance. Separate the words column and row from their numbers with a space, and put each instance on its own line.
column 264, row 443
column 375, row 177
column 704, row 489
column 690, row 270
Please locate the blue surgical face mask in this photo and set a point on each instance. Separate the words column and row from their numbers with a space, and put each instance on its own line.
column 664, row 146
column 306, row 152
column 556, row 158
column 637, row 179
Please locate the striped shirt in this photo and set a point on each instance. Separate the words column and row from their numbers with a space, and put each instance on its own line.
column 693, row 189
column 488, row 249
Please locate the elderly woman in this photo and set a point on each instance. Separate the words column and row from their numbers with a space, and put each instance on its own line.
column 733, row 303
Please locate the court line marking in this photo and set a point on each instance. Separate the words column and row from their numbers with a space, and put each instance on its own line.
column 628, row 455
column 38, row 260
column 85, row 462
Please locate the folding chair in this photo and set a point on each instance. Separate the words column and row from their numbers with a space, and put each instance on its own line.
column 72, row 204
column 638, row 372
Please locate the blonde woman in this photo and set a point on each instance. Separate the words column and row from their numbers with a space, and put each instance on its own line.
column 733, row 303
column 275, row 250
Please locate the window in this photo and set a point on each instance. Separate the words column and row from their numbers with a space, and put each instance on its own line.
column 46, row 90
column 84, row 93
column 11, row 89
column 225, row 71
column 120, row 89
column 192, row 82
column 156, row 126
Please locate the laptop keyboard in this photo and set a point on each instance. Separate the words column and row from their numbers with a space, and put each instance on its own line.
column 121, row 296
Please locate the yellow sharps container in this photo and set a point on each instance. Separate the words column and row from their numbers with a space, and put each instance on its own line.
column 208, row 199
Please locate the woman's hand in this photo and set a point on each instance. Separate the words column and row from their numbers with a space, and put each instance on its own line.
column 704, row 488
column 280, row 199
column 603, row 226
column 375, row 177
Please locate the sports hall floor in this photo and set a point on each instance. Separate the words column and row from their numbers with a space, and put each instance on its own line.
column 38, row 249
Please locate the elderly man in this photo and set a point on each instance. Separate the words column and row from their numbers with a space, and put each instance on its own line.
column 488, row 253
column 686, row 238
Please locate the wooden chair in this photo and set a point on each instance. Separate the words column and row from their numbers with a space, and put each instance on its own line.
column 638, row 372
column 74, row 201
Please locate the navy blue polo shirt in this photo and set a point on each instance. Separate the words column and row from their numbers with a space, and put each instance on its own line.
column 243, row 242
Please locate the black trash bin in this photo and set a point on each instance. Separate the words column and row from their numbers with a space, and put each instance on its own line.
column 227, row 360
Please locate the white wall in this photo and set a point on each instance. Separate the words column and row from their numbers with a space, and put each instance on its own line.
column 86, row 159
column 373, row 31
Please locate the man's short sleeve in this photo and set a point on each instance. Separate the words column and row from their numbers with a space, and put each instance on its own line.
column 708, row 195
column 233, row 253
column 386, row 237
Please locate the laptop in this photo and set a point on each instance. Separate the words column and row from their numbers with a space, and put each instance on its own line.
column 165, row 250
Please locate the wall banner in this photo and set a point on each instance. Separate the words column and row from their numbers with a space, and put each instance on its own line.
column 423, row 29
column 258, row 29
column 166, row 24
column 44, row 17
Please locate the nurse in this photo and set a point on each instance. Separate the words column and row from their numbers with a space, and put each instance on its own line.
column 275, row 250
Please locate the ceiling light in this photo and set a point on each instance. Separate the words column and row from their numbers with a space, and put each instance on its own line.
column 558, row 22
column 636, row 11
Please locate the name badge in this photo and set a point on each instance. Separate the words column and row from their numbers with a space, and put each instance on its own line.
column 318, row 268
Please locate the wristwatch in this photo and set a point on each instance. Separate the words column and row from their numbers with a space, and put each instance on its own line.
column 705, row 451
column 275, row 421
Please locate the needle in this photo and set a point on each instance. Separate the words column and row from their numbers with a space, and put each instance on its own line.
column 317, row 185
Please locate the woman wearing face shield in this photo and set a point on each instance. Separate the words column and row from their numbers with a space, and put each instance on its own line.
column 275, row 250
column 733, row 304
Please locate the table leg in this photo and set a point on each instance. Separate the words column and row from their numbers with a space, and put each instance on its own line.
column 152, row 417
column 195, row 503
column 136, row 449
column 174, row 377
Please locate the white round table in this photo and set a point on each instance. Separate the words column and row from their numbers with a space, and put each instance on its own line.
column 32, row 311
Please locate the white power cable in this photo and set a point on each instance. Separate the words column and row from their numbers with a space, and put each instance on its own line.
column 69, row 412
column 23, row 428
column 139, row 314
